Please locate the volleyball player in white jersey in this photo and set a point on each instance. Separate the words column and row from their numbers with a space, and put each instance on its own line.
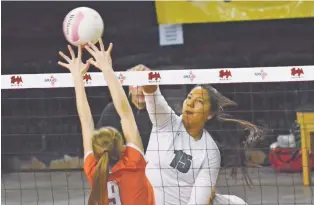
column 183, row 159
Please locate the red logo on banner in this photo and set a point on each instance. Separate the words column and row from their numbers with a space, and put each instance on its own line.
column 16, row 80
column 225, row 74
column 121, row 78
column 262, row 73
column 154, row 76
column 87, row 78
column 297, row 72
column 52, row 80
column 190, row 76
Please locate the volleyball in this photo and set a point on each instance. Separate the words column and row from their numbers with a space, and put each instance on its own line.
column 82, row 25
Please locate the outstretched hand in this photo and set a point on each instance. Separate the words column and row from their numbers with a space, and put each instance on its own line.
column 139, row 67
column 74, row 64
column 102, row 57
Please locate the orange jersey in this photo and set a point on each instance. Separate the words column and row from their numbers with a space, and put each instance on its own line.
column 127, row 184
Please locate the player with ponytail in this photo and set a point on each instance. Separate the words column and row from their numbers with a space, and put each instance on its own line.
column 116, row 172
column 105, row 143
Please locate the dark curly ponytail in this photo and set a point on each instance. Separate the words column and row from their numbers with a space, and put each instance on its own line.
column 232, row 136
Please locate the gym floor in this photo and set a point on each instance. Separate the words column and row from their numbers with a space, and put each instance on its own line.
column 71, row 188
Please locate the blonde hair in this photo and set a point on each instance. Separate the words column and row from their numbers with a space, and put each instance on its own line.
column 105, row 148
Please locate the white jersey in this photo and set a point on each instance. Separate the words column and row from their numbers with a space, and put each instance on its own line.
column 228, row 200
column 181, row 170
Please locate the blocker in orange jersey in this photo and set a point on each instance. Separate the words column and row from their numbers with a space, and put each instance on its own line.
column 127, row 182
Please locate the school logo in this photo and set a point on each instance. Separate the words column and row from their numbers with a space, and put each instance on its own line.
column 16, row 81
column 154, row 77
column 191, row 76
column 225, row 74
column 87, row 78
column 297, row 72
column 121, row 78
column 52, row 80
column 262, row 73
column 181, row 161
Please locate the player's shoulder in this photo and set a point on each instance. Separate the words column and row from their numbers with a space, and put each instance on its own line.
column 131, row 148
column 89, row 155
column 90, row 164
column 209, row 138
column 132, row 159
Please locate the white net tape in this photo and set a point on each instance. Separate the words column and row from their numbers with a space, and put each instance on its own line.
column 165, row 77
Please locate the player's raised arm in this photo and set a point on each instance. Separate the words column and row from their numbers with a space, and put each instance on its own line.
column 119, row 98
column 78, row 69
column 160, row 113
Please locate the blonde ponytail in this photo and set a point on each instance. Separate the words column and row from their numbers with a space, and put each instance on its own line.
column 100, row 179
column 103, row 143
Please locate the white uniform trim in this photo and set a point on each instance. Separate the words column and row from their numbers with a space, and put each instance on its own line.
column 87, row 153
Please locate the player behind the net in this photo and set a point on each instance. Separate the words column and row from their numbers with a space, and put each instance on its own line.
column 115, row 172
column 183, row 157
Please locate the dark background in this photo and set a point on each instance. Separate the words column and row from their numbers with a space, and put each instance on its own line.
column 32, row 37
column 44, row 123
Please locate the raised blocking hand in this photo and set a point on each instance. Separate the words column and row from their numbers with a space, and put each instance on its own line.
column 102, row 57
column 75, row 64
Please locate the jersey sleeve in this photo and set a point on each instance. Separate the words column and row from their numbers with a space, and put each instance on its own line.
column 89, row 166
column 160, row 113
column 133, row 158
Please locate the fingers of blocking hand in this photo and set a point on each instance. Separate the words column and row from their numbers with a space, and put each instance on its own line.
column 65, row 57
column 109, row 48
column 79, row 52
column 140, row 67
column 87, row 65
column 90, row 51
column 91, row 61
column 91, row 45
column 101, row 44
column 63, row 64
column 71, row 52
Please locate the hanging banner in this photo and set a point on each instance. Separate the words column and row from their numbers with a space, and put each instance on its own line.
column 183, row 12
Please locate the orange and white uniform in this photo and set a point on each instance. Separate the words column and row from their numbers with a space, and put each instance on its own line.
column 127, row 184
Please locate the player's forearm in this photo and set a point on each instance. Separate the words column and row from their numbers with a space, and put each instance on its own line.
column 123, row 108
column 83, row 107
column 150, row 88
column 118, row 95
column 158, row 109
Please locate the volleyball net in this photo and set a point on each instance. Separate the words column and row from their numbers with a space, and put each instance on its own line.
column 41, row 129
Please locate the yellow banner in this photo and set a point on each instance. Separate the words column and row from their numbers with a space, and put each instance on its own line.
column 181, row 12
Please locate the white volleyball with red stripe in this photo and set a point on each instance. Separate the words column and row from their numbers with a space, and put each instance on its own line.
column 82, row 25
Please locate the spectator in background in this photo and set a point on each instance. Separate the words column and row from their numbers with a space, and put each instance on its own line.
column 110, row 117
